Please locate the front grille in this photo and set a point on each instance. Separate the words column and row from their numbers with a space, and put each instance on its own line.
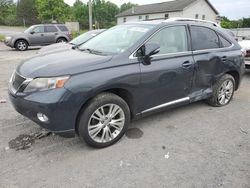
column 17, row 81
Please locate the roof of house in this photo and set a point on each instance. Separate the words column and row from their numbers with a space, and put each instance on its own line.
column 168, row 6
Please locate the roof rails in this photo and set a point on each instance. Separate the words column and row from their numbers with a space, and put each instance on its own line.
column 193, row 20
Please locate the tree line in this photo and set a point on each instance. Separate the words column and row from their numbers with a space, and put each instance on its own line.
column 30, row 12
column 241, row 23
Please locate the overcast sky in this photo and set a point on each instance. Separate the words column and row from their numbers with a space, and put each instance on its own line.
column 232, row 9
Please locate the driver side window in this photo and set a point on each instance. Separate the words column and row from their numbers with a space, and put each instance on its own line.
column 39, row 29
column 171, row 40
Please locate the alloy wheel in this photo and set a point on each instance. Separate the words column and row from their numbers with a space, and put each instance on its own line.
column 21, row 45
column 225, row 92
column 106, row 123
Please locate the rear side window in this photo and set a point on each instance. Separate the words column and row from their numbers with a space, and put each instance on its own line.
column 204, row 38
column 225, row 43
column 62, row 28
column 50, row 29
column 171, row 40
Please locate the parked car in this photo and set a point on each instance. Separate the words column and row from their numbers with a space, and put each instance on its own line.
column 73, row 43
column 245, row 44
column 39, row 35
column 124, row 73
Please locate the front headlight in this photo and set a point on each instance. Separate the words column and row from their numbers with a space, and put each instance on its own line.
column 7, row 38
column 42, row 84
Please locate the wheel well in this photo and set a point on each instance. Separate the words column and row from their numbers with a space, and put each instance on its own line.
column 123, row 93
column 19, row 40
column 236, row 76
column 62, row 38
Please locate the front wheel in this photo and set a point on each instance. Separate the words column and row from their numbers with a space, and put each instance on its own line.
column 104, row 121
column 21, row 45
column 223, row 91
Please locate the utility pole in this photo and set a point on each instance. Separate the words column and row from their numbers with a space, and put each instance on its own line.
column 90, row 15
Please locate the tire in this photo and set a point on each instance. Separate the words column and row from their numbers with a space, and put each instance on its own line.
column 101, row 131
column 21, row 45
column 61, row 40
column 223, row 91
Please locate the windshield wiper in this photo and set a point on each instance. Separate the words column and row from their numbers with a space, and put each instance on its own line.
column 93, row 51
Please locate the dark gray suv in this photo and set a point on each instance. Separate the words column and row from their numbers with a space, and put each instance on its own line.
column 39, row 35
column 124, row 73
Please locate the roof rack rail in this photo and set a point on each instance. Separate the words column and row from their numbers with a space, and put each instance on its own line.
column 194, row 20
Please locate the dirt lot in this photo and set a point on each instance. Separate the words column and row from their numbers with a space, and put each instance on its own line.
column 191, row 146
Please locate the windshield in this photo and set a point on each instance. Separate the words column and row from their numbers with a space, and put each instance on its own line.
column 117, row 39
column 83, row 38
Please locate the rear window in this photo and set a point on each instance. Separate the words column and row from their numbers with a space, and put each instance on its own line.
column 51, row 29
column 204, row 38
column 62, row 28
column 225, row 43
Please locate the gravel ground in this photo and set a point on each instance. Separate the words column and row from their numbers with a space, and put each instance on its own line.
column 191, row 146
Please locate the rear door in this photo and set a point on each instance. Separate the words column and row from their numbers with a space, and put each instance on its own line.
column 168, row 79
column 51, row 34
column 211, row 54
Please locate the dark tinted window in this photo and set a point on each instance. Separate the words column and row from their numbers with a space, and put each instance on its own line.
column 62, row 28
column 225, row 43
column 171, row 40
column 51, row 29
column 204, row 38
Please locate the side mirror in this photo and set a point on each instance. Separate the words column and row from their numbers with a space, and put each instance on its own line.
column 32, row 32
column 151, row 49
column 146, row 51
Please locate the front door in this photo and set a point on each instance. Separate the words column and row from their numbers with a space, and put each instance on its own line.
column 169, row 76
column 37, row 36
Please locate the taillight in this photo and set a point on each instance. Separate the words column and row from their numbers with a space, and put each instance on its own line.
column 243, row 52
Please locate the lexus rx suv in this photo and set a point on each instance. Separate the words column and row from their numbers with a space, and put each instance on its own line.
column 124, row 73
column 39, row 35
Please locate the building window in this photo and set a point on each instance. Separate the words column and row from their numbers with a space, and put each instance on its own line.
column 196, row 16
column 146, row 17
column 140, row 17
column 124, row 19
column 166, row 16
column 203, row 17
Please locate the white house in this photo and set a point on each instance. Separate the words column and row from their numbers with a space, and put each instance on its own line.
column 199, row 9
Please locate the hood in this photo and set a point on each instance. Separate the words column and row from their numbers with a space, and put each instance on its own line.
column 57, row 47
column 61, row 63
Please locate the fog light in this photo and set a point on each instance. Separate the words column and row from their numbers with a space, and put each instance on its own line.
column 42, row 117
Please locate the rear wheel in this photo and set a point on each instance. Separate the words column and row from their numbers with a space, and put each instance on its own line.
column 223, row 91
column 60, row 40
column 21, row 45
column 104, row 121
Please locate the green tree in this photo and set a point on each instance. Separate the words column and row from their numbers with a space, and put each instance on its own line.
column 126, row 6
column 80, row 13
column 7, row 12
column 229, row 24
column 50, row 10
column 246, row 22
column 104, row 13
column 26, row 12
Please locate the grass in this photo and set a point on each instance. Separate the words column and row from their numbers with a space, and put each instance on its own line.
column 76, row 34
column 2, row 37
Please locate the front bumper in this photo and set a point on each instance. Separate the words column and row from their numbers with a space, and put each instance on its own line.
column 54, row 104
column 9, row 43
